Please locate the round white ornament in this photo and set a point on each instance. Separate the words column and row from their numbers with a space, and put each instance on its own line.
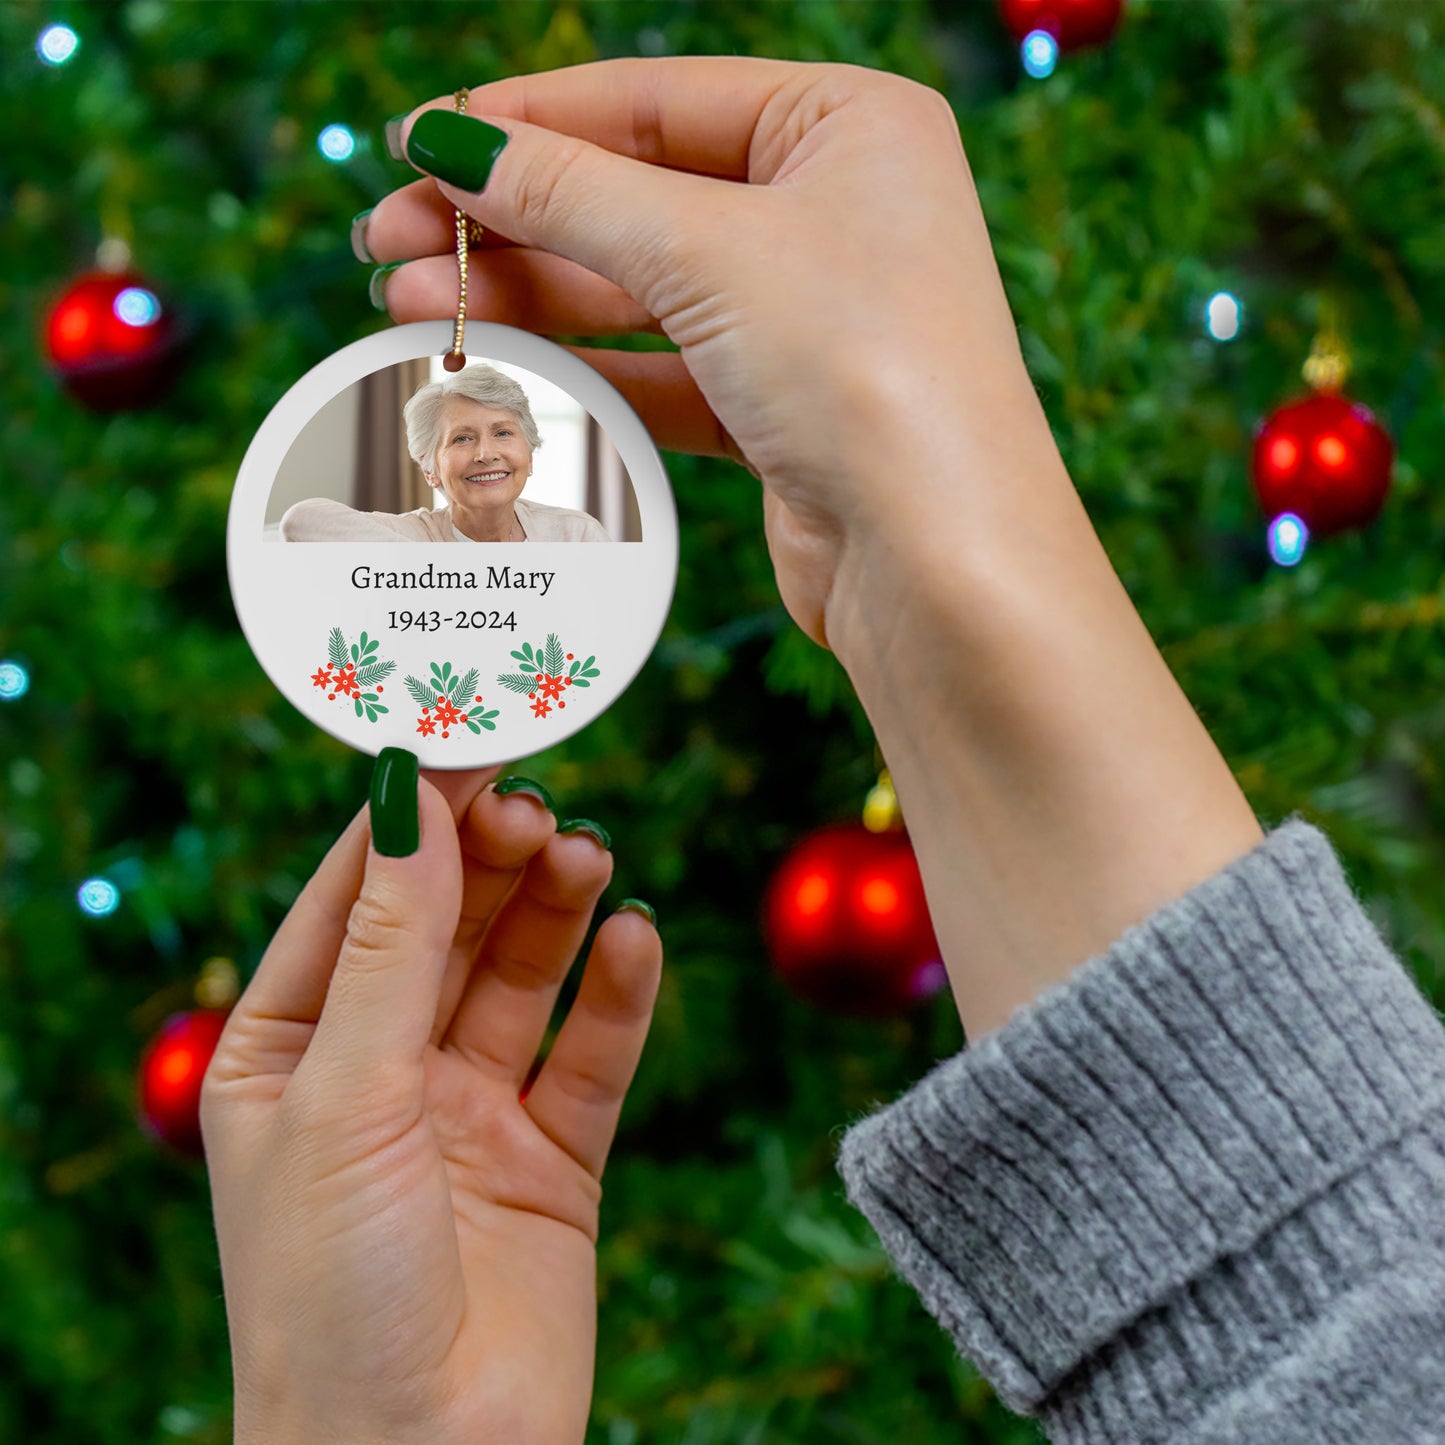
column 467, row 653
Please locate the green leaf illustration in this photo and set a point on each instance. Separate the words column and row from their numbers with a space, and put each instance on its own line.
column 554, row 659
column 374, row 672
column 337, row 646
column 522, row 682
column 467, row 688
column 419, row 692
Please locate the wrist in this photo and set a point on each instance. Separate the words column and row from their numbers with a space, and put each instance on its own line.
column 967, row 511
column 1057, row 784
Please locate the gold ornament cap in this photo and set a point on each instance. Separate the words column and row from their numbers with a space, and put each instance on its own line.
column 881, row 813
column 219, row 984
column 1328, row 366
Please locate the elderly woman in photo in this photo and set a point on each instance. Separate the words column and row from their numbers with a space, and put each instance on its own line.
column 473, row 436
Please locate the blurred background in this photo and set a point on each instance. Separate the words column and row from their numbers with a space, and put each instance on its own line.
column 1190, row 203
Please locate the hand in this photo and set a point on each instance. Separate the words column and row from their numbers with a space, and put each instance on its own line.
column 810, row 237
column 842, row 324
column 407, row 1246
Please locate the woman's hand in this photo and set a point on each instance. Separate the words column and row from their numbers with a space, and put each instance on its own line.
column 810, row 237
column 408, row 1246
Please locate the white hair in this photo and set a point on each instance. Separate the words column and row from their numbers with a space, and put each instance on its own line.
column 480, row 383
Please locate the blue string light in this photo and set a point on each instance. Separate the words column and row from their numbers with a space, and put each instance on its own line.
column 336, row 143
column 1040, row 52
column 98, row 897
column 1288, row 539
column 14, row 681
column 57, row 44
column 1223, row 316
column 137, row 307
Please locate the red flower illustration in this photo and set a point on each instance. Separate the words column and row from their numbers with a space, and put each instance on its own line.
column 550, row 686
column 426, row 724
column 346, row 681
column 540, row 706
column 447, row 714
column 322, row 677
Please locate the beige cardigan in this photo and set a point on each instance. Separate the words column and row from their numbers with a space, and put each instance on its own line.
column 319, row 520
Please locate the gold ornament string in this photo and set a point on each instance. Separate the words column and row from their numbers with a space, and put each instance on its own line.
column 469, row 233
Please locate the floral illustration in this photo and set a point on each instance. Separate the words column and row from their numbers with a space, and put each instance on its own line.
column 444, row 702
column 545, row 676
column 354, row 671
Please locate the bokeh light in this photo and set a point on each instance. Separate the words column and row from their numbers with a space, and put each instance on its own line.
column 1040, row 52
column 14, row 681
column 1223, row 316
column 57, row 44
column 98, row 897
column 336, row 143
column 137, row 307
column 1288, row 539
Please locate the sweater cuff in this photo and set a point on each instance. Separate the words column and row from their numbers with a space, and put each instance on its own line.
column 1228, row 1061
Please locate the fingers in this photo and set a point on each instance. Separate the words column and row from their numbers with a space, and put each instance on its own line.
column 499, row 835
column 516, row 287
column 659, row 388
column 416, row 220
column 634, row 224
column 383, row 993
column 272, row 1022
column 577, row 1098
column 689, row 113
column 504, row 1010
column 460, row 788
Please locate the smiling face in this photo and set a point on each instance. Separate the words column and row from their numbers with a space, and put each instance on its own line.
column 482, row 461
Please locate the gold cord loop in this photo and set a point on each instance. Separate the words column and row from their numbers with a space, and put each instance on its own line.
column 469, row 232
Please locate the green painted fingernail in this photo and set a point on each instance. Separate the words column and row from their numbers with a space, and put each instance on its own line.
column 377, row 289
column 455, row 148
column 358, row 236
column 528, row 786
column 395, row 820
column 393, row 136
column 586, row 825
column 636, row 905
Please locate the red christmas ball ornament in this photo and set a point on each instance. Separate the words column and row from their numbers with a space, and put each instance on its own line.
column 847, row 924
column 111, row 341
column 171, row 1072
column 1074, row 24
column 1324, row 458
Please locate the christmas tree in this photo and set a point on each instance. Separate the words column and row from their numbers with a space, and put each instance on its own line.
column 162, row 804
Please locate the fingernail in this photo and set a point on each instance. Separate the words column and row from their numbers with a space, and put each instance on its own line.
column 525, row 785
column 455, row 148
column 636, row 905
column 377, row 289
column 393, row 136
column 586, row 825
column 395, row 821
column 358, row 237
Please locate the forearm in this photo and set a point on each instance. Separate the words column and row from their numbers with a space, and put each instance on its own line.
column 1057, row 784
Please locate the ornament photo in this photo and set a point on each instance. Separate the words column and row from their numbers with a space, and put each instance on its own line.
column 471, row 561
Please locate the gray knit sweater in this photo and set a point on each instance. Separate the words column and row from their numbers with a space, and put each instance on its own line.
column 1196, row 1192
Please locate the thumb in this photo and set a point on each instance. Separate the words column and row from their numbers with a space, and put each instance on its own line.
column 633, row 223
column 382, row 1000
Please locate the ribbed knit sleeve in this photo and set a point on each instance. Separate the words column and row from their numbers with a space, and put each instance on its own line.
column 1196, row 1192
